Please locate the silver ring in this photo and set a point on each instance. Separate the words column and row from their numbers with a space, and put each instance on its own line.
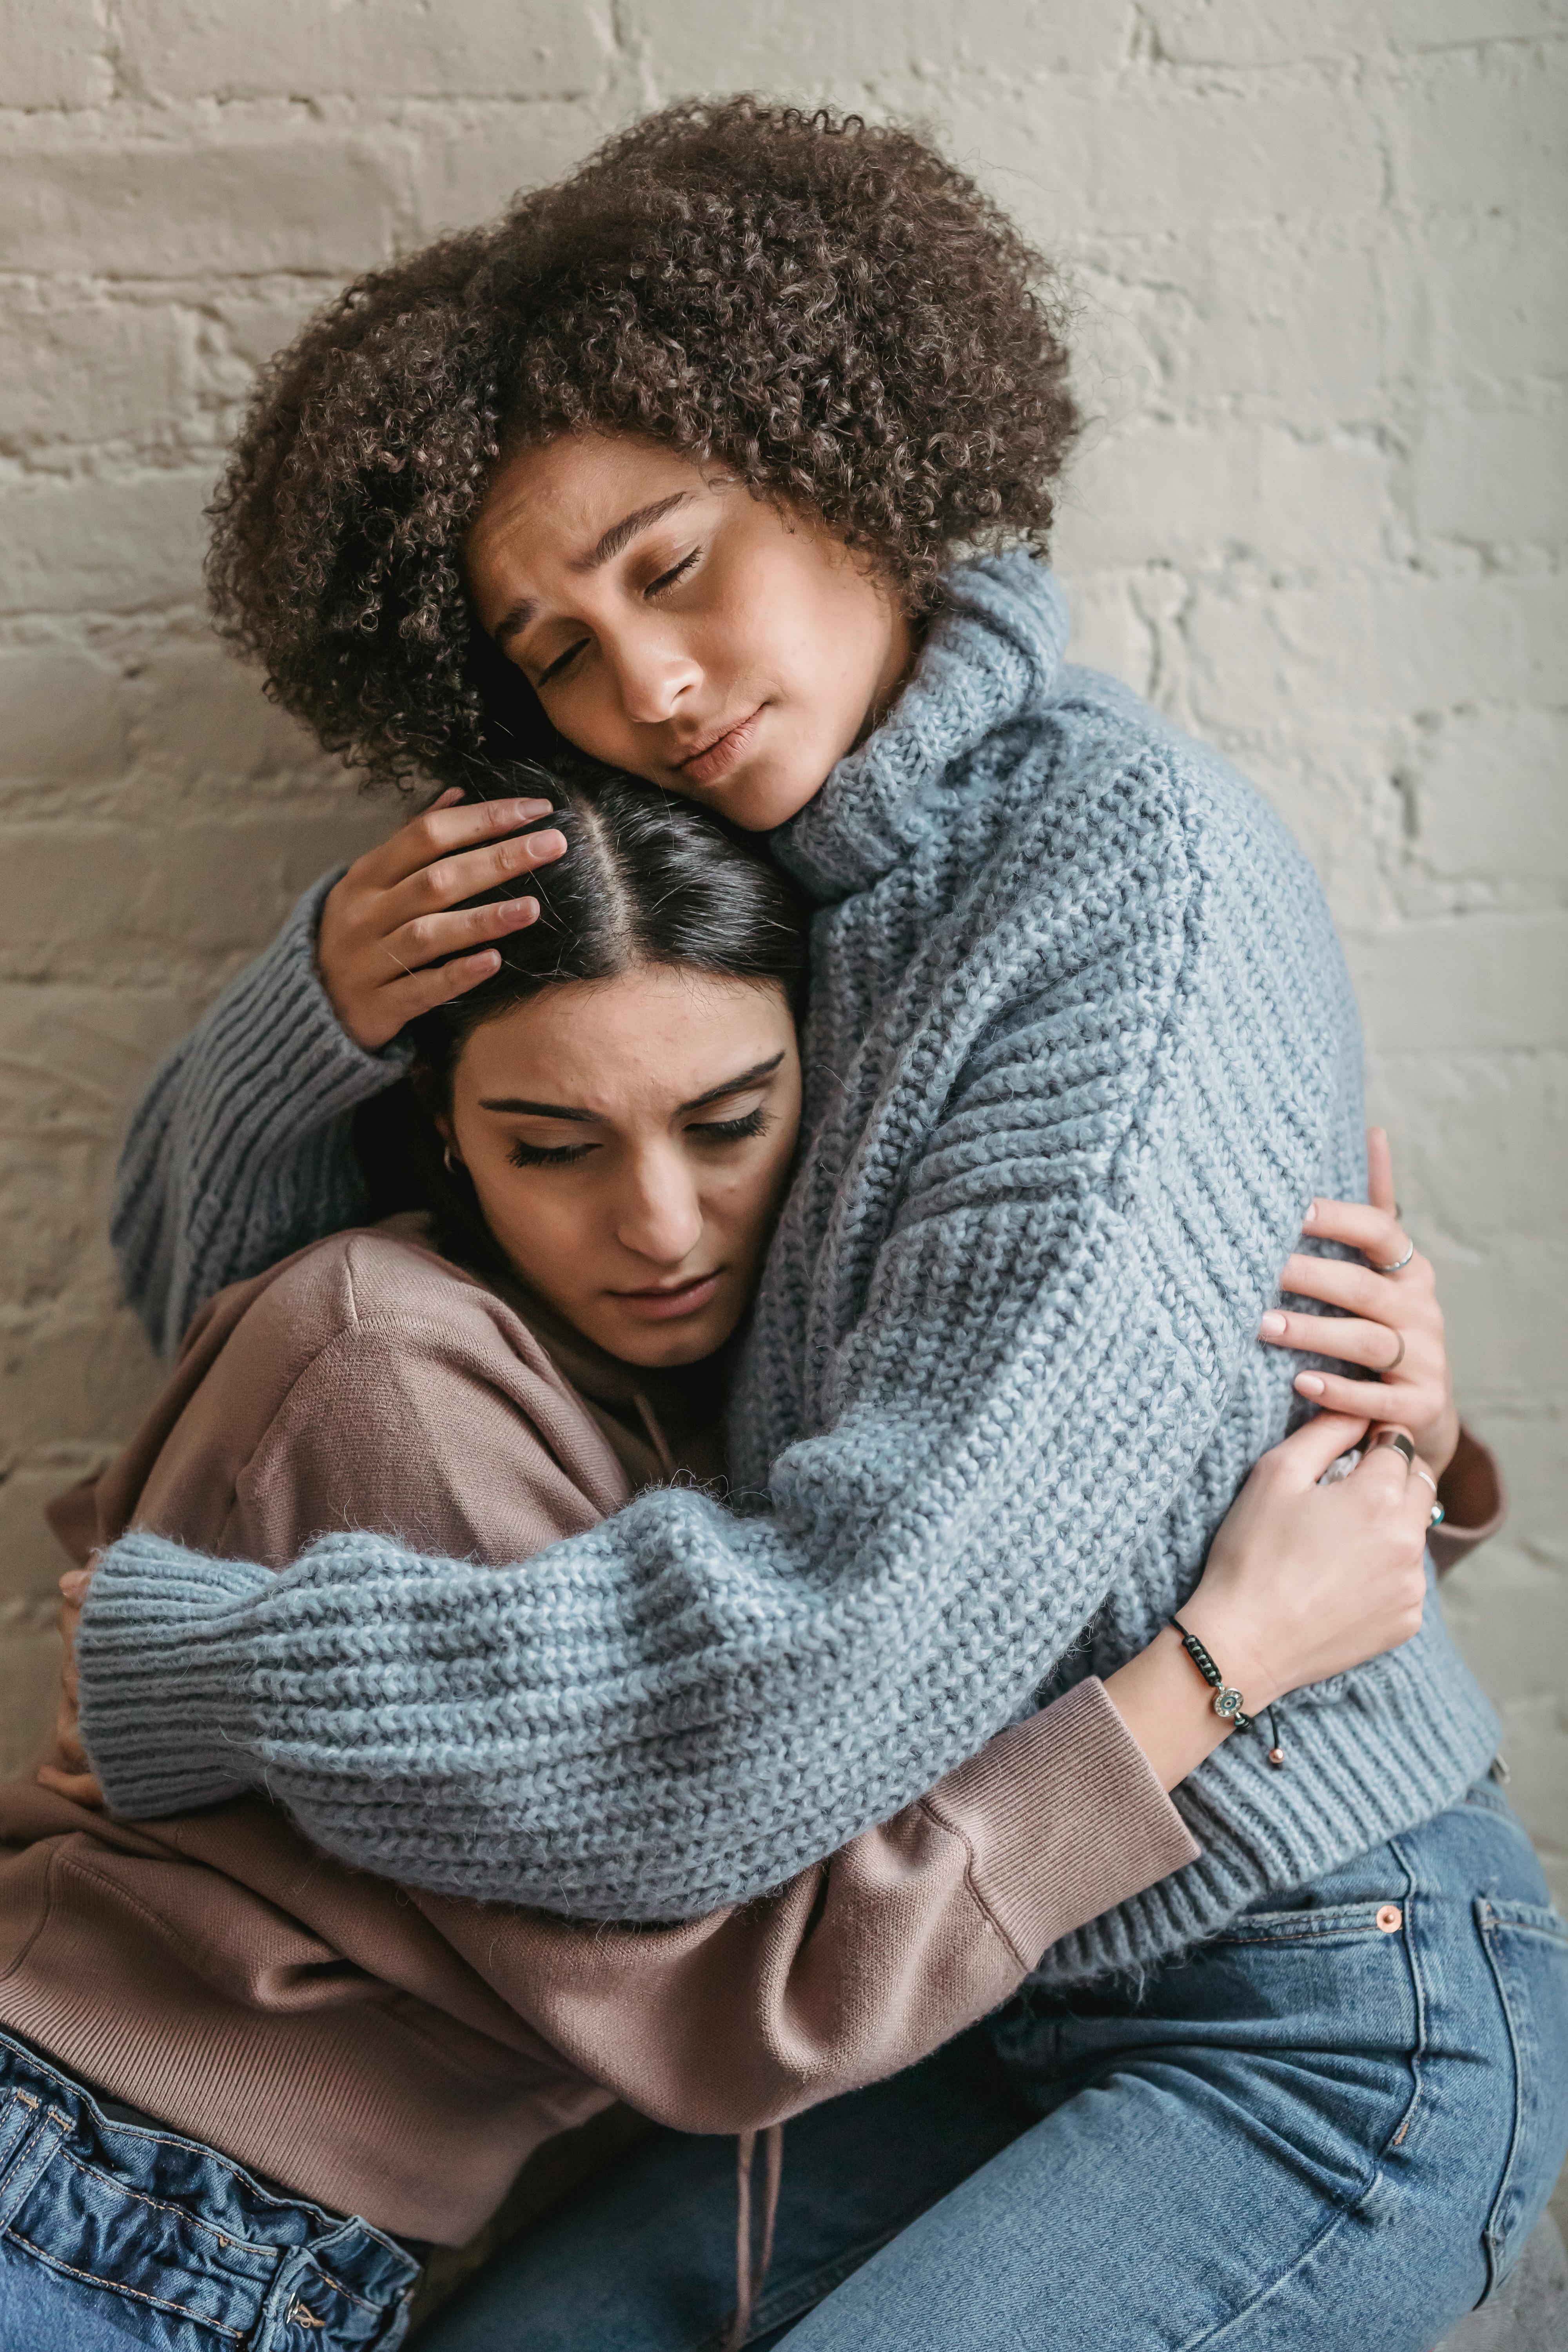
column 1382, row 1375
column 1398, row 1444
column 1399, row 1264
column 1416, row 1471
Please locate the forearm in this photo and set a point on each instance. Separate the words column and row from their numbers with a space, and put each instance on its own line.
column 240, row 1149
column 685, row 1708
column 673, row 1711
column 862, row 1964
column 1166, row 1707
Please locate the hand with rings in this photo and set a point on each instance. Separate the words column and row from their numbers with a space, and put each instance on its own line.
column 1392, row 1324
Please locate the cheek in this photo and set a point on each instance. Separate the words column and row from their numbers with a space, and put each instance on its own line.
column 535, row 1228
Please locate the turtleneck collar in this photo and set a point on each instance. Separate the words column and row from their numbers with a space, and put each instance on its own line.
column 992, row 652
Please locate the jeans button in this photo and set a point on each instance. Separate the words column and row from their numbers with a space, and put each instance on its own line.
column 1390, row 1919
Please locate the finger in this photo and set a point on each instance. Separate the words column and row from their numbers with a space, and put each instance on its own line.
column 1380, row 1170
column 447, row 882
column 421, row 992
column 81, row 1788
column 1378, row 1346
column 1339, row 1393
column 1355, row 1288
column 1383, row 1465
column 446, row 832
column 1307, row 1452
column 429, row 939
column 1372, row 1231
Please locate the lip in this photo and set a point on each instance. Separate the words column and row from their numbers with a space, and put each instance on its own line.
column 718, row 755
column 668, row 1306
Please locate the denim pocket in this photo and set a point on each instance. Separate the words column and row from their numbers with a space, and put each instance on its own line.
column 1527, row 1946
column 1316, row 1924
column 18, row 2110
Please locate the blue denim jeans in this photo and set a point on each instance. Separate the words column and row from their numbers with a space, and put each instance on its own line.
column 114, row 2234
column 1329, row 2130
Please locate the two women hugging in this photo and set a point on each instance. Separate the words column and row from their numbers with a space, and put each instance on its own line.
column 733, row 1527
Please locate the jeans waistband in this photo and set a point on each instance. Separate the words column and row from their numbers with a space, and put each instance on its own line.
column 170, row 2223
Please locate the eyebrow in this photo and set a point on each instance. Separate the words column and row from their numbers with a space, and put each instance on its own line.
column 619, row 536
column 516, row 1106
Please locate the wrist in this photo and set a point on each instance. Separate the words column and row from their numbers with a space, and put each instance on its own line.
column 1238, row 1646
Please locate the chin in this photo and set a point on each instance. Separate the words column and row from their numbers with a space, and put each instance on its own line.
column 762, row 803
column 667, row 1351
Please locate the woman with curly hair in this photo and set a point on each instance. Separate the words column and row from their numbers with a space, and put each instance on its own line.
column 730, row 461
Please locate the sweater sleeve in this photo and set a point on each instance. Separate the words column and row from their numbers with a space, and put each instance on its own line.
column 241, row 1148
column 369, row 1384
column 685, row 1706
column 864, row 1963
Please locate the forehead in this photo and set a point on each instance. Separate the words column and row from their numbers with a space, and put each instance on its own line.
column 636, row 1045
column 548, row 505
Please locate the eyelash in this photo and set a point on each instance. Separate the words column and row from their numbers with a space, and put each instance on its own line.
column 536, row 1155
column 564, row 662
column 561, row 1155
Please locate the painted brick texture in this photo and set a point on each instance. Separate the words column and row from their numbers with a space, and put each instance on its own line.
column 1320, row 248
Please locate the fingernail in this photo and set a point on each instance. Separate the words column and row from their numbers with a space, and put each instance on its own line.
column 548, row 843
column 521, row 811
column 1273, row 1326
column 1310, row 1216
column 1309, row 1384
column 75, row 1582
column 520, row 911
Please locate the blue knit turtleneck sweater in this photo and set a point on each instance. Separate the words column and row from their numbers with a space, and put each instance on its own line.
column 1081, row 1047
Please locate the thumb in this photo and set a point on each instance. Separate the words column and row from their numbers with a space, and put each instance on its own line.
column 1310, row 1450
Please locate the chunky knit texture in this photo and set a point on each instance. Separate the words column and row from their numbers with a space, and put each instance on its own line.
column 1081, row 1047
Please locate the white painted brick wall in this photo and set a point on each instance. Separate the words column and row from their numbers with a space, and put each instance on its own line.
column 1320, row 248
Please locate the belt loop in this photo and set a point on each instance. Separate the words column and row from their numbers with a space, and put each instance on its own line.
column 34, row 2156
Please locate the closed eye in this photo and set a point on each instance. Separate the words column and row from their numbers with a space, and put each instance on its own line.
column 562, row 663
column 731, row 1130
column 538, row 1155
column 668, row 578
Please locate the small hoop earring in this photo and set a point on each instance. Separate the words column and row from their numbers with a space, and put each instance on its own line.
column 452, row 1165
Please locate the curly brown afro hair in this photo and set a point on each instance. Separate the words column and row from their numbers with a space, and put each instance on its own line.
column 826, row 307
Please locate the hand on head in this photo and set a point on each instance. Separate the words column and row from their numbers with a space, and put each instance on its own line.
column 395, row 936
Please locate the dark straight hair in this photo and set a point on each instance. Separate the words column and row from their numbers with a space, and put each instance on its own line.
column 646, row 878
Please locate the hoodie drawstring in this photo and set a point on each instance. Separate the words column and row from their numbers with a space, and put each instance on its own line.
column 748, row 2284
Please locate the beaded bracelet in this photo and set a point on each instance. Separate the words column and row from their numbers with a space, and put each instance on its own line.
column 1227, row 1700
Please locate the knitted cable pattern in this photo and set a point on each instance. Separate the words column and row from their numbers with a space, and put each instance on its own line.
column 1081, row 1047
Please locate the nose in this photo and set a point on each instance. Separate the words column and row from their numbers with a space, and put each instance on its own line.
column 653, row 673
column 660, row 1214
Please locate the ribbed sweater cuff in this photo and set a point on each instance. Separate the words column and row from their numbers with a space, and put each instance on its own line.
column 1076, row 1819
column 1471, row 1493
column 153, row 1667
column 277, row 1005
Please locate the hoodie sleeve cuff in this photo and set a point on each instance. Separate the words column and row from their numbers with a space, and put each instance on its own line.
column 1471, row 1493
column 1066, row 1819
